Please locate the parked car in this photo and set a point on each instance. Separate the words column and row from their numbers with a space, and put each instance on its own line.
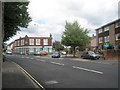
column 56, row 55
column 9, row 52
column 42, row 53
column 90, row 55
column 63, row 53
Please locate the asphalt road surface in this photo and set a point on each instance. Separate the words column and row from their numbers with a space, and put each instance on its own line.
column 62, row 73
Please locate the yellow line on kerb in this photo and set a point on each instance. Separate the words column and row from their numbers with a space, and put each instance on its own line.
column 30, row 76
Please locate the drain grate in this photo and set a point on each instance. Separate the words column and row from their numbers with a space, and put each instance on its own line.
column 51, row 82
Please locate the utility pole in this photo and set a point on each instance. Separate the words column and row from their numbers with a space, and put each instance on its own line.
column 1, row 42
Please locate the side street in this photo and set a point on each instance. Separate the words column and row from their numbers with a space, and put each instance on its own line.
column 48, row 47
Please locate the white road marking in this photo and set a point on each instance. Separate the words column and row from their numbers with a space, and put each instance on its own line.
column 57, row 63
column 42, row 60
column 51, row 82
column 87, row 70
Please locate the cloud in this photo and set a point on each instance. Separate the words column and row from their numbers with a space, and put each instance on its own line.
column 49, row 16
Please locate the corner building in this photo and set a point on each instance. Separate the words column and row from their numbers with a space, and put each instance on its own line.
column 31, row 45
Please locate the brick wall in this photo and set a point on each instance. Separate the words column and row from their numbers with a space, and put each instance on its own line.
column 112, row 54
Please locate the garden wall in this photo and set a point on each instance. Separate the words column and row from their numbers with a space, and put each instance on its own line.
column 112, row 54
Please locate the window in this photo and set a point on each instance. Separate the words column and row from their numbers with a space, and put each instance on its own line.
column 18, row 43
column 15, row 43
column 117, row 24
column 118, row 36
column 45, row 42
column 22, row 42
column 31, row 50
column 106, row 28
column 100, row 40
column 100, row 30
column 37, row 41
column 37, row 49
column 107, row 38
column 31, row 41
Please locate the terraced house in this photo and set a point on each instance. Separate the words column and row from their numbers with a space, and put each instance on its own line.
column 109, row 33
column 31, row 45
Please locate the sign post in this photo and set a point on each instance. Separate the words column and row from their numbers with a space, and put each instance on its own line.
column 106, row 45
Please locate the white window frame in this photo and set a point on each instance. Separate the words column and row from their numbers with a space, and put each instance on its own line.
column 22, row 42
column 106, row 38
column 100, row 30
column 37, row 49
column 45, row 41
column 117, row 24
column 117, row 36
column 100, row 39
column 31, row 41
column 15, row 43
column 18, row 43
column 37, row 41
column 107, row 28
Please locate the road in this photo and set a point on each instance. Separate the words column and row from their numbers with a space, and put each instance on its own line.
column 62, row 73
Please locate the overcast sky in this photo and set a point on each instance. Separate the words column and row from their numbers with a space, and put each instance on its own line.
column 49, row 16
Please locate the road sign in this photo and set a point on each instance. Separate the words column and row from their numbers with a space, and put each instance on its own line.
column 106, row 44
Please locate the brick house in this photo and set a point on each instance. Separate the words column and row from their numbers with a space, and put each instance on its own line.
column 108, row 33
column 31, row 45
column 93, row 43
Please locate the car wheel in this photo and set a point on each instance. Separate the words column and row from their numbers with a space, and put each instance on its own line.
column 92, row 58
column 82, row 57
column 98, row 58
column 95, row 58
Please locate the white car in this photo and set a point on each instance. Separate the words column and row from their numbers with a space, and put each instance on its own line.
column 63, row 53
column 8, row 51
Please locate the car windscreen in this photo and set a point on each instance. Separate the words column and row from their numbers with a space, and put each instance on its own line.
column 8, row 51
column 55, row 53
column 91, row 53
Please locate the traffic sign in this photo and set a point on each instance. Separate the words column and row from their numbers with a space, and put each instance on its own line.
column 106, row 44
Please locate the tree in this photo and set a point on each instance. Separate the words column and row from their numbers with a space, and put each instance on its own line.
column 15, row 17
column 75, row 36
column 57, row 46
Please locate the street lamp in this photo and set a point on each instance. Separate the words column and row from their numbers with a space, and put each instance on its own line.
column 37, row 28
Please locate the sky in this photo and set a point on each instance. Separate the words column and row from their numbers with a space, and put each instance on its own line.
column 50, row 16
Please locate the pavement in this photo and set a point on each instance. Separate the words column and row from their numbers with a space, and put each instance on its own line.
column 14, row 77
column 78, row 58
column 101, row 60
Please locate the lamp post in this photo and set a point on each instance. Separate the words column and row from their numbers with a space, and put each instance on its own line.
column 37, row 28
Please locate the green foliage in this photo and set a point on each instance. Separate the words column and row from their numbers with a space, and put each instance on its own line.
column 57, row 46
column 15, row 17
column 75, row 35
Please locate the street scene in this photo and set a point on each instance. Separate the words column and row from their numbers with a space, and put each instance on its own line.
column 65, row 73
column 57, row 44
